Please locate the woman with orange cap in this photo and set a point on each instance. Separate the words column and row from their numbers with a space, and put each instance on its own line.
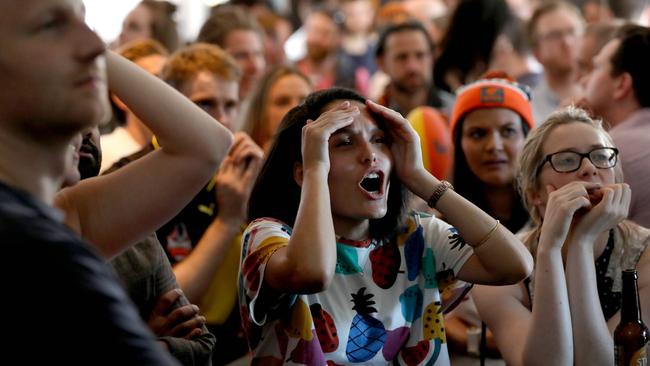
column 489, row 123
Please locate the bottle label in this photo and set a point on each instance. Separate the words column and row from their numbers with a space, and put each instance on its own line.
column 639, row 358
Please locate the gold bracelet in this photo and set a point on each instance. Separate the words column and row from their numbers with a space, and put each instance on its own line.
column 438, row 192
column 487, row 236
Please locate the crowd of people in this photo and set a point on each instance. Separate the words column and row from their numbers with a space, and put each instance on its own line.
column 258, row 195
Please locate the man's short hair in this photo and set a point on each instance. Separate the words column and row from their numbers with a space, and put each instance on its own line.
column 515, row 31
column 163, row 25
column 543, row 9
column 224, row 20
column 186, row 63
column 622, row 9
column 602, row 32
column 633, row 56
column 141, row 48
column 409, row 26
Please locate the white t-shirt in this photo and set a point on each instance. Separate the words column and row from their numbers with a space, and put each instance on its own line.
column 117, row 145
column 383, row 304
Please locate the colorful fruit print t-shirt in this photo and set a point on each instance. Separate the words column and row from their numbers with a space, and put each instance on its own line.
column 383, row 305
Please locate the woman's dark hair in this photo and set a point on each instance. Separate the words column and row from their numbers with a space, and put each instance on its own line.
column 276, row 194
column 163, row 25
column 468, row 185
column 469, row 40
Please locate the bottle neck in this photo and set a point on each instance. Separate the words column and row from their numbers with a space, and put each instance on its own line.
column 630, row 309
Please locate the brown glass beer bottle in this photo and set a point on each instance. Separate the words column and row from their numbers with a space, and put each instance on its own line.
column 631, row 335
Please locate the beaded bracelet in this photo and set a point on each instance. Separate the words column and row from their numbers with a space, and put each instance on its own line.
column 487, row 236
column 438, row 192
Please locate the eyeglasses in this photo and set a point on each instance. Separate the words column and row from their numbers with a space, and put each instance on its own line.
column 569, row 161
column 556, row 35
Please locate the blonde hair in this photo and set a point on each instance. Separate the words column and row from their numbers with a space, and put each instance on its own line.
column 531, row 156
column 184, row 64
column 254, row 120
column 141, row 48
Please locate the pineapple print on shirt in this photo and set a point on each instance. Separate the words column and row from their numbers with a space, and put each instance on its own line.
column 367, row 334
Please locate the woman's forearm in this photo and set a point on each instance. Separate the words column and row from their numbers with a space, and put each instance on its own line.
column 503, row 258
column 179, row 125
column 550, row 340
column 307, row 264
column 592, row 339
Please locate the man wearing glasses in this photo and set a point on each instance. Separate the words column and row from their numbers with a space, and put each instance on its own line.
column 618, row 90
column 554, row 31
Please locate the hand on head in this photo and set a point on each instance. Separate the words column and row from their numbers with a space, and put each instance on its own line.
column 316, row 134
column 405, row 143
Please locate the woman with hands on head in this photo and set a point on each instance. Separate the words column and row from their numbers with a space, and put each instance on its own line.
column 332, row 268
column 567, row 311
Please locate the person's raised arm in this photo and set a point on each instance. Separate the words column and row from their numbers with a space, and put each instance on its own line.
column 593, row 341
column 500, row 258
column 307, row 264
column 551, row 312
column 233, row 184
column 118, row 209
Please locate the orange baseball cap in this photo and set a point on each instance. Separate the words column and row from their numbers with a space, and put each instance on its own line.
column 494, row 90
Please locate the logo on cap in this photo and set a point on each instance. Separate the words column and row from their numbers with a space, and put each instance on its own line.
column 492, row 94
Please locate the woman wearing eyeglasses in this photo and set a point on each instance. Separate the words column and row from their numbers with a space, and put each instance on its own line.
column 566, row 312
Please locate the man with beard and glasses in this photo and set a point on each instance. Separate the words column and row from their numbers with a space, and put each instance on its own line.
column 147, row 276
column 554, row 32
column 239, row 34
column 324, row 62
column 405, row 54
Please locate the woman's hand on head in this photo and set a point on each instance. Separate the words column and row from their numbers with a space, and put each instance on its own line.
column 610, row 204
column 316, row 134
column 405, row 143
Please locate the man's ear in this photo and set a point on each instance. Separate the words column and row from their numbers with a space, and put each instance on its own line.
column 380, row 63
column 535, row 52
column 297, row 173
column 624, row 86
column 119, row 103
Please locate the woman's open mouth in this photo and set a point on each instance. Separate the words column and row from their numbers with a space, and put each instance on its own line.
column 373, row 184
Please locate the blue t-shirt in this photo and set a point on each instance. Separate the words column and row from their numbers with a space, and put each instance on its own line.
column 61, row 304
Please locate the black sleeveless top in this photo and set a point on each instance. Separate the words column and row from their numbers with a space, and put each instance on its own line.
column 610, row 301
